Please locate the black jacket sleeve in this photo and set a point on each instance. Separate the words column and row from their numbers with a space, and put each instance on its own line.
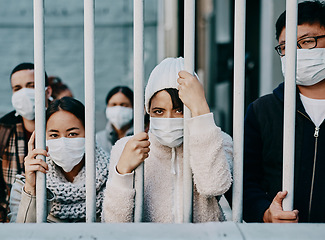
column 255, row 201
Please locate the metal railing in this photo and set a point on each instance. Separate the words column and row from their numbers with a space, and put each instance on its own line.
column 39, row 105
column 138, row 49
column 89, row 59
column 289, row 103
column 189, row 43
column 189, row 33
column 238, row 123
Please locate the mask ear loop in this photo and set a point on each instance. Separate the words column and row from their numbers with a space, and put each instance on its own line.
column 173, row 163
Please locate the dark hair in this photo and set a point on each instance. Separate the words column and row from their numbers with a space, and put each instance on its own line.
column 123, row 89
column 27, row 66
column 67, row 104
column 309, row 12
column 173, row 92
column 57, row 86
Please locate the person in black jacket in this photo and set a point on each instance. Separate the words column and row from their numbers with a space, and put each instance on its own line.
column 263, row 154
column 17, row 126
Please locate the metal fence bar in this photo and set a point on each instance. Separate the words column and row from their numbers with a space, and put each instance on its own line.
column 238, row 115
column 189, row 44
column 138, row 68
column 289, row 103
column 266, row 48
column 39, row 106
column 89, row 47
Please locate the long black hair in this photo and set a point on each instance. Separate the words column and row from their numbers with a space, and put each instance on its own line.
column 123, row 89
column 68, row 104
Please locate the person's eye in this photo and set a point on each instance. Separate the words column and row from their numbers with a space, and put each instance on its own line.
column 54, row 135
column 158, row 111
column 15, row 89
column 179, row 111
column 73, row 134
column 307, row 41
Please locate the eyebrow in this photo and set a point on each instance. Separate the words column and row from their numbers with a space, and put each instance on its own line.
column 305, row 35
column 68, row 130
column 73, row 128
column 300, row 37
column 158, row 108
column 53, row 130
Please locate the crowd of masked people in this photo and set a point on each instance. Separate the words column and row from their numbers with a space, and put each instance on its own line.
column 118, row 151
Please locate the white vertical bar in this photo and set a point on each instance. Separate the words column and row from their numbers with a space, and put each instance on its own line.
column 39, row 106
column 189, row 46
column 89, row 56
column 161, row 31
column 266, row 47
column 138, row 68
column 238, row 122
column 289, row 103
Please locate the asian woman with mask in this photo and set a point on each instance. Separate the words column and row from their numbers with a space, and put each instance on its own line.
column 119, row 114
column 64, row 168
column 210, row 154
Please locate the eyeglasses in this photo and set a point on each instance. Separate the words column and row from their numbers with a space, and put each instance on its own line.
column 304, row 43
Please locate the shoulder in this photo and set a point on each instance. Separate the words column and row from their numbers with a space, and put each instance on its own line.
column 101, row 133
column 265, row 100
column 226, row 138
column 17, row 185
column 268, row 106
column 270, row 100
column 118, row 148
column 10, row 118
column 20, row 179
column 121, row 142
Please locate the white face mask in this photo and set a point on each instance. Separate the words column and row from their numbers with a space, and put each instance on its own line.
column 169, row 131
column 66, row 152
column 23, row 102
column 310, row 66
column 119, row 116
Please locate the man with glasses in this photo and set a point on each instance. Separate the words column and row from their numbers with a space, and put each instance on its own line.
column 16, row 128
column 263, row 154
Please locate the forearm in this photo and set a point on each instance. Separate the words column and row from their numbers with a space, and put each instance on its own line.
column 27, row 208
column 208, row 157
column 118, row 202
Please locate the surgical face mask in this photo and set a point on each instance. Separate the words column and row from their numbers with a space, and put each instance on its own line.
column 169, row 131
column 66, row 152
column 23, row 102
column 310, row 66
column 119, row 116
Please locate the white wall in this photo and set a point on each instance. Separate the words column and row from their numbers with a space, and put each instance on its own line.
column 64, row 44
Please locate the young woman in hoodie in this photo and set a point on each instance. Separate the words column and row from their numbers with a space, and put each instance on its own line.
column 210, row 154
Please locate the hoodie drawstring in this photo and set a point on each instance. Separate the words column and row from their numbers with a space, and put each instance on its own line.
column 173, row 162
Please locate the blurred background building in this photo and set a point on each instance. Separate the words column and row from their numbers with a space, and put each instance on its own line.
column 163, row 38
